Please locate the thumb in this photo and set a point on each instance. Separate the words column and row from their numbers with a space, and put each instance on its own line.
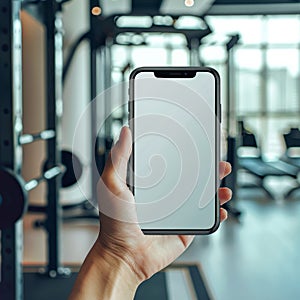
column 115, row 171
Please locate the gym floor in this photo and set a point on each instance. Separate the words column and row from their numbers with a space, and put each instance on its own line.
column 256, row 258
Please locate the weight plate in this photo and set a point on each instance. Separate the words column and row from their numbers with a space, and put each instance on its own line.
column 13, row 198
column 73, row 166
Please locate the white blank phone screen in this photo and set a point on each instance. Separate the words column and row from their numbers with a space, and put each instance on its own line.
column 175, row 151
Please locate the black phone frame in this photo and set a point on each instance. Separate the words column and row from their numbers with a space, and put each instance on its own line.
column 176, row 72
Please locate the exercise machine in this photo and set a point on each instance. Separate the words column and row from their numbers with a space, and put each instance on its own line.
column 13, row 192
column 260, row 168
column 231, row 180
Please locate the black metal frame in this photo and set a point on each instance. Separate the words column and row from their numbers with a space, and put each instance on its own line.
column 93, row 94
column 102, row 34
column 53, row 76
column 10, row 133
column 10, row 155
column 49, row 13
column 231, row 179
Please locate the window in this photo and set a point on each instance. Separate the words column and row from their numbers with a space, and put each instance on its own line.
column 266, row 78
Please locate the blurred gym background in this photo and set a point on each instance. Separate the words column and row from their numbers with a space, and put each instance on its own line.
column 56, row 56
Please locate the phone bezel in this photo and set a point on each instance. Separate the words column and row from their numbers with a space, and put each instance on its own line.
column 179, row 71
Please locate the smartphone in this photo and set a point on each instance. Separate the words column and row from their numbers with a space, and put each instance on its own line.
column 174, row 116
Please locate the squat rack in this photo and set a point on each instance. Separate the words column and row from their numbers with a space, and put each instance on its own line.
column 11, row 138
column 10, row 156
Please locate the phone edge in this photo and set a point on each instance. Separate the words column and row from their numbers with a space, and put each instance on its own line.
column 218, row 113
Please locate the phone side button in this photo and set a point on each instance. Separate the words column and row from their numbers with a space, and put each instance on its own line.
column 220, row 113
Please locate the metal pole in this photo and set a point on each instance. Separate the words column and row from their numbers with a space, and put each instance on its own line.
column 195, row 44
column 230, row 101
column 10, row 152
column 229, row 93
column 107, row 84
column 54, row 111
column 230, row 180
column 93, row 94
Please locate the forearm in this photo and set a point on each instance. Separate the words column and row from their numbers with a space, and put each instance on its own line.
column 104, row 277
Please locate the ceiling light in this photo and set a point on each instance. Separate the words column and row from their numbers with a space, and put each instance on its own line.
column 135, row 21
column 189, row 3
column 96, row 10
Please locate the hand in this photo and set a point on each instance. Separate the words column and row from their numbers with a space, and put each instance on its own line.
column 123, row 257
column 144, row 254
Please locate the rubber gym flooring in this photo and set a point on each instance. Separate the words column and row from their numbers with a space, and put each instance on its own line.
column 256, row 258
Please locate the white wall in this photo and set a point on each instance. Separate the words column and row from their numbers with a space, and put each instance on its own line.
column 33, row 100
column 76, row 93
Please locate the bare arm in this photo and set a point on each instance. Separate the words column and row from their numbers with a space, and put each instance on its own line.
column 103, row 276
column 123, row 257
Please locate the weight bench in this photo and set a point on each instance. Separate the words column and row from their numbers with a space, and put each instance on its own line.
column 260, row 168
column 292, row 141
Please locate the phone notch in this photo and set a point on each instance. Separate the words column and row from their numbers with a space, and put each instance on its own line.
column 175, row 74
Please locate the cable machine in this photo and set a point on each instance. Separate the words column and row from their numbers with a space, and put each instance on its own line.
column 103, row 34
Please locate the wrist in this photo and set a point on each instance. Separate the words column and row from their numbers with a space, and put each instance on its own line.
column 120, row 273
column 104, row 276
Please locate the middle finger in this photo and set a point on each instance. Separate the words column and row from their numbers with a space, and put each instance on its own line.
column 225, row 195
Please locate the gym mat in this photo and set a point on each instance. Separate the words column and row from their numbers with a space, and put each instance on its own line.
column 153, row 288
column 38, row 286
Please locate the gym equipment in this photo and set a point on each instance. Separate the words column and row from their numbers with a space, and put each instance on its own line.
column 13, row 192
column 43, row 135
column 11, row 138
column 10, row 76
column 49, row 174
column 73, row 169
column 13, row 198
column 292, row 140
column 10, row 158
column 73, row 166
column 230, row 180
column 260, row 168
column 103, row 34
column 72, row 172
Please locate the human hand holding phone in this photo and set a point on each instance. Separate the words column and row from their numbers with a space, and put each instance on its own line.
column 122, row 256
column 145, row 254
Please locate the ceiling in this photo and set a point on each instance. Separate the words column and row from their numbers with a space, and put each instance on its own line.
column 254, row 2
column 215, row 7
column 224, row 7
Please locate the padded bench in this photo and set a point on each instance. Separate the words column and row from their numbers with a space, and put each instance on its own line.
column 262, row 169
